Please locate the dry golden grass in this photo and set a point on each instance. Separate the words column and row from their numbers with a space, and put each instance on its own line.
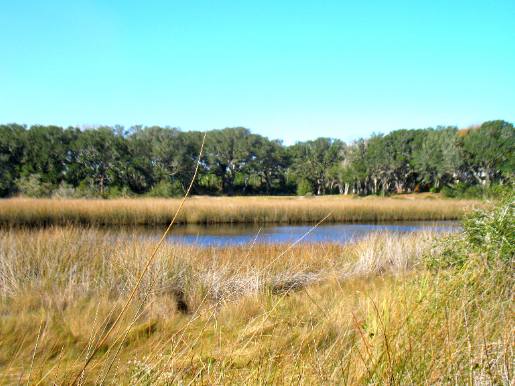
column 205, row 210
column 365, row 313
column 86, row 262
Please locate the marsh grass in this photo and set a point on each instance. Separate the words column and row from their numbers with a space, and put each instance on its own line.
column 323, row 313
column 211, row 210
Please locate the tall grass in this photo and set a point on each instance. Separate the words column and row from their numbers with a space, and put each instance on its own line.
column 87, row 262
column 364, row 313
column 209, row 210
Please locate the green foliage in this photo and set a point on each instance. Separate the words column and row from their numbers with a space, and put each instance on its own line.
column 487, row 233
column 33, row 186
column 118, row 192
column 488, row 151
column 65, row 191
column 270, row 162
column 492, row 232
column 229, row 152
column 313, row 161
column 86, row 189
column 166, row 189
column 462, row 190
column 158, row 153
column 12, row 145
column 98, row 157
column 111, row 161
column 304, row 188
column 45, row 150
column 437, row 157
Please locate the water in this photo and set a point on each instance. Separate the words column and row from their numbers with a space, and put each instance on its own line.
column 226, row 235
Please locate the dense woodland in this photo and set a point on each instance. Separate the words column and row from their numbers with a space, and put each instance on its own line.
column 42, row 161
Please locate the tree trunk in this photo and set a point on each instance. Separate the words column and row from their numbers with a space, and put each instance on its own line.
column 101, row 183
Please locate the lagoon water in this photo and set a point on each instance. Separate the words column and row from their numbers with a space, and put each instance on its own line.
column 226, row 235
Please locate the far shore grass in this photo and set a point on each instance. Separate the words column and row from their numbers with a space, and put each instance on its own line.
column 228, row 210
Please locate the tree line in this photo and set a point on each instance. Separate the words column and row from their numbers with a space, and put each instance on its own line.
column 108, row 161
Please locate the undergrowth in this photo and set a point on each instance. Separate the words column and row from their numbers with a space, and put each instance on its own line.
column 488, row 234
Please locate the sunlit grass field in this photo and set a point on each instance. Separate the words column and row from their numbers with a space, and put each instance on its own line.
column 210, row 210
column 363, row 313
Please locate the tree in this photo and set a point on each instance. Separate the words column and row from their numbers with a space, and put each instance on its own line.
column 161, row 161
column 46, row 153
column 229, row 152
column 99, row 156
column 269, row 163
column 438, row 159
column 12, row 147
column 312, row 160
column 488, row 151
column 354, row 172
column 399, row 148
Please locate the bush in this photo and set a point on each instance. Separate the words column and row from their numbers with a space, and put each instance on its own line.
column 461, row 190
column 458, row 190
column 166, row 189
column 64, row 191
column 487, row 233
column 493, row 232
column 118, row 192
column 86, row 189
column 32, row 186
column 304, row 188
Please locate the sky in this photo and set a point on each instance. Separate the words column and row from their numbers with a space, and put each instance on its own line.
column 291, row 70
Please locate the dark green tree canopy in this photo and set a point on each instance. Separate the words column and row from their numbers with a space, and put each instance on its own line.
column 159, row 161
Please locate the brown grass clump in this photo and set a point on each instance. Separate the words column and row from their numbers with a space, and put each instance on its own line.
column 211, row 210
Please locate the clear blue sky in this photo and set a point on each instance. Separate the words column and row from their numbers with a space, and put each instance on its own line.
column 292, row 70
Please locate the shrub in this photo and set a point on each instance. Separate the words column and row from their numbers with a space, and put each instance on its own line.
column 32, row 186
column 86, row 189
column 493, row 232
column 487, row 233
column 461, row 190
column 448, row 192
column 64, row 191
column 304, row 188
column 166, row 189
column 118, row 192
